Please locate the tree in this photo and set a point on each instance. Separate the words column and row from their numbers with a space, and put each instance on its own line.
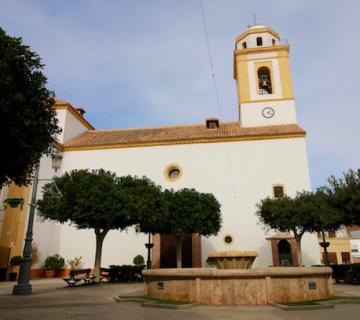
column 306, row 212
column 187, row 211
column 28, row 124
column 98, row 200
column 345, row 195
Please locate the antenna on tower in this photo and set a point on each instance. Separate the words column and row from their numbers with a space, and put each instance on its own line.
column 254, row 16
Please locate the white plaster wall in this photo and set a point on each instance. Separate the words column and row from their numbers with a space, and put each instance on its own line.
column 61, row 116
column 251, row 113
column 251, row 40
column 71, row 126
column 239, row 174
column 3, row 196
column 355, row 245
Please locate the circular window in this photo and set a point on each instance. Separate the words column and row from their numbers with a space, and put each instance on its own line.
column 173, row 172
column 228, row 239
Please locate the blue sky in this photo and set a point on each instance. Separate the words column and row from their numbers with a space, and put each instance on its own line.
column 145, row 63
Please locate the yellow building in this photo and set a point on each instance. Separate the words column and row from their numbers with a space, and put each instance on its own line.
column 12, row 225
column 339, row 250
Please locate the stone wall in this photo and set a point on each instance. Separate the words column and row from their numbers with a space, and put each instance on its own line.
column 239, row 287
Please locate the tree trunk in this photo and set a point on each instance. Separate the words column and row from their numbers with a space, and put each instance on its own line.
column 298, row 248
column 100, row 235
column 179, row 251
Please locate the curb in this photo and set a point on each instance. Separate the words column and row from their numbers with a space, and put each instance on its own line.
column 306, row 307
column 167, row 306
column 151, row 304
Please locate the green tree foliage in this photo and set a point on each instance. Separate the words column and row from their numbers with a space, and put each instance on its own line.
column 307, row 212
column 28, row 123
column 100, row 201
column 187, row 211
column 345, row 195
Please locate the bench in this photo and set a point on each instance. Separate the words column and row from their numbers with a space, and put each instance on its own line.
column 78, row 275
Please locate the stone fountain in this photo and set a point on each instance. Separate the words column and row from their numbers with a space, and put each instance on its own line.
column 232, row 259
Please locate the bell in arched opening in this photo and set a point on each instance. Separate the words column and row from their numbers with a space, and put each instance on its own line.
column 264, row 79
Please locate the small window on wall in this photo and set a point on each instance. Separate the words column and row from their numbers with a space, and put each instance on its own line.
column 228, row 239
column 259, row 41
column 273, row 42
column 244, row 45
column 173, row 172
column 278, row 191
column 264, row 79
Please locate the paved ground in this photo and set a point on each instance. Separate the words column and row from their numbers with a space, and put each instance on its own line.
column 51, row 300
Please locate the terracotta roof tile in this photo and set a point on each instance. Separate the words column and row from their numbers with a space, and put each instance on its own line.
column 178, row 135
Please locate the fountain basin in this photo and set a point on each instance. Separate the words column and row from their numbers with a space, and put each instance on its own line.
column 239, row 287
column 232, row 259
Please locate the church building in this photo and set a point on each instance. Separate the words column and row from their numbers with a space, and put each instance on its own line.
column 261, row 154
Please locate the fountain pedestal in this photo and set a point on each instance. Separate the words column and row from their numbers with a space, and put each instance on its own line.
column 232, row 259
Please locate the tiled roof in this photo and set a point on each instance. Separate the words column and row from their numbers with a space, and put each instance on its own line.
column 227, row 131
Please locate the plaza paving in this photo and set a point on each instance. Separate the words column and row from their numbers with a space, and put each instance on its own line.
column 52, row 300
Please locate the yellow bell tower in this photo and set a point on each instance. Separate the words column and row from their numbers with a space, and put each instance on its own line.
column 262, row 74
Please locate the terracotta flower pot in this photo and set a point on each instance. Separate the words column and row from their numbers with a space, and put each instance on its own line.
column 49, row 273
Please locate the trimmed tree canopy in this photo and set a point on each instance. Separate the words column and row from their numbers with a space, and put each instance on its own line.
column 307, row 212
column 187, row 211
column 28, row 123
column 98, row 200
column 190, row 211
column 345, row 195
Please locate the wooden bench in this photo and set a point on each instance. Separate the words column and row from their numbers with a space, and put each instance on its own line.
column 78, row 275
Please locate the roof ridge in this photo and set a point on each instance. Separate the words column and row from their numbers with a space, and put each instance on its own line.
column 162, row 127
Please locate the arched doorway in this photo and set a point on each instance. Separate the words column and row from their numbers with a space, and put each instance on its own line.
column 284, row 250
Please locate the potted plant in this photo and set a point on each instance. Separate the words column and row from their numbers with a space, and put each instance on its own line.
column 53, row 263
column 15, row 202
column 75, row 263
column 14, row 264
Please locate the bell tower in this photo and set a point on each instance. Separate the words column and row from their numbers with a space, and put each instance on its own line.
column 262, row 74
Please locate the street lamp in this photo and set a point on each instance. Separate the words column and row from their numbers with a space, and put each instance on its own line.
column 23, row 286
column 325, row 244
column 149, row 246
column 56, row 158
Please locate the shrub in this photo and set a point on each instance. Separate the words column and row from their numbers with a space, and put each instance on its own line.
column 15, row 261
column 54, row 262
column 339, row 271
column 356, row 272
column 125, row 273
column 139, row 260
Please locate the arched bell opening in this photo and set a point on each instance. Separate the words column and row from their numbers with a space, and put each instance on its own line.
column 264, row 79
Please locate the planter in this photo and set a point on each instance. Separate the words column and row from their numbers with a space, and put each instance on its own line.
column 14, row 202
column 49, row 273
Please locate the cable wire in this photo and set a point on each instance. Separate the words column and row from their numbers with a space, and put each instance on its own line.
column 210, row 59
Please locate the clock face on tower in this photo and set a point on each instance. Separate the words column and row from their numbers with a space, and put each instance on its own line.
column 268, row 112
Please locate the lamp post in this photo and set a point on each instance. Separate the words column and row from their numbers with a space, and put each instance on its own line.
column 23, row 286
column 149, row 246
column 324, row 244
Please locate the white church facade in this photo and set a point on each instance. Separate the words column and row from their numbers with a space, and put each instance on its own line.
column 261, row 154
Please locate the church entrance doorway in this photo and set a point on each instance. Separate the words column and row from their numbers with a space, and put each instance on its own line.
column 164, row 251
column 168, row 251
